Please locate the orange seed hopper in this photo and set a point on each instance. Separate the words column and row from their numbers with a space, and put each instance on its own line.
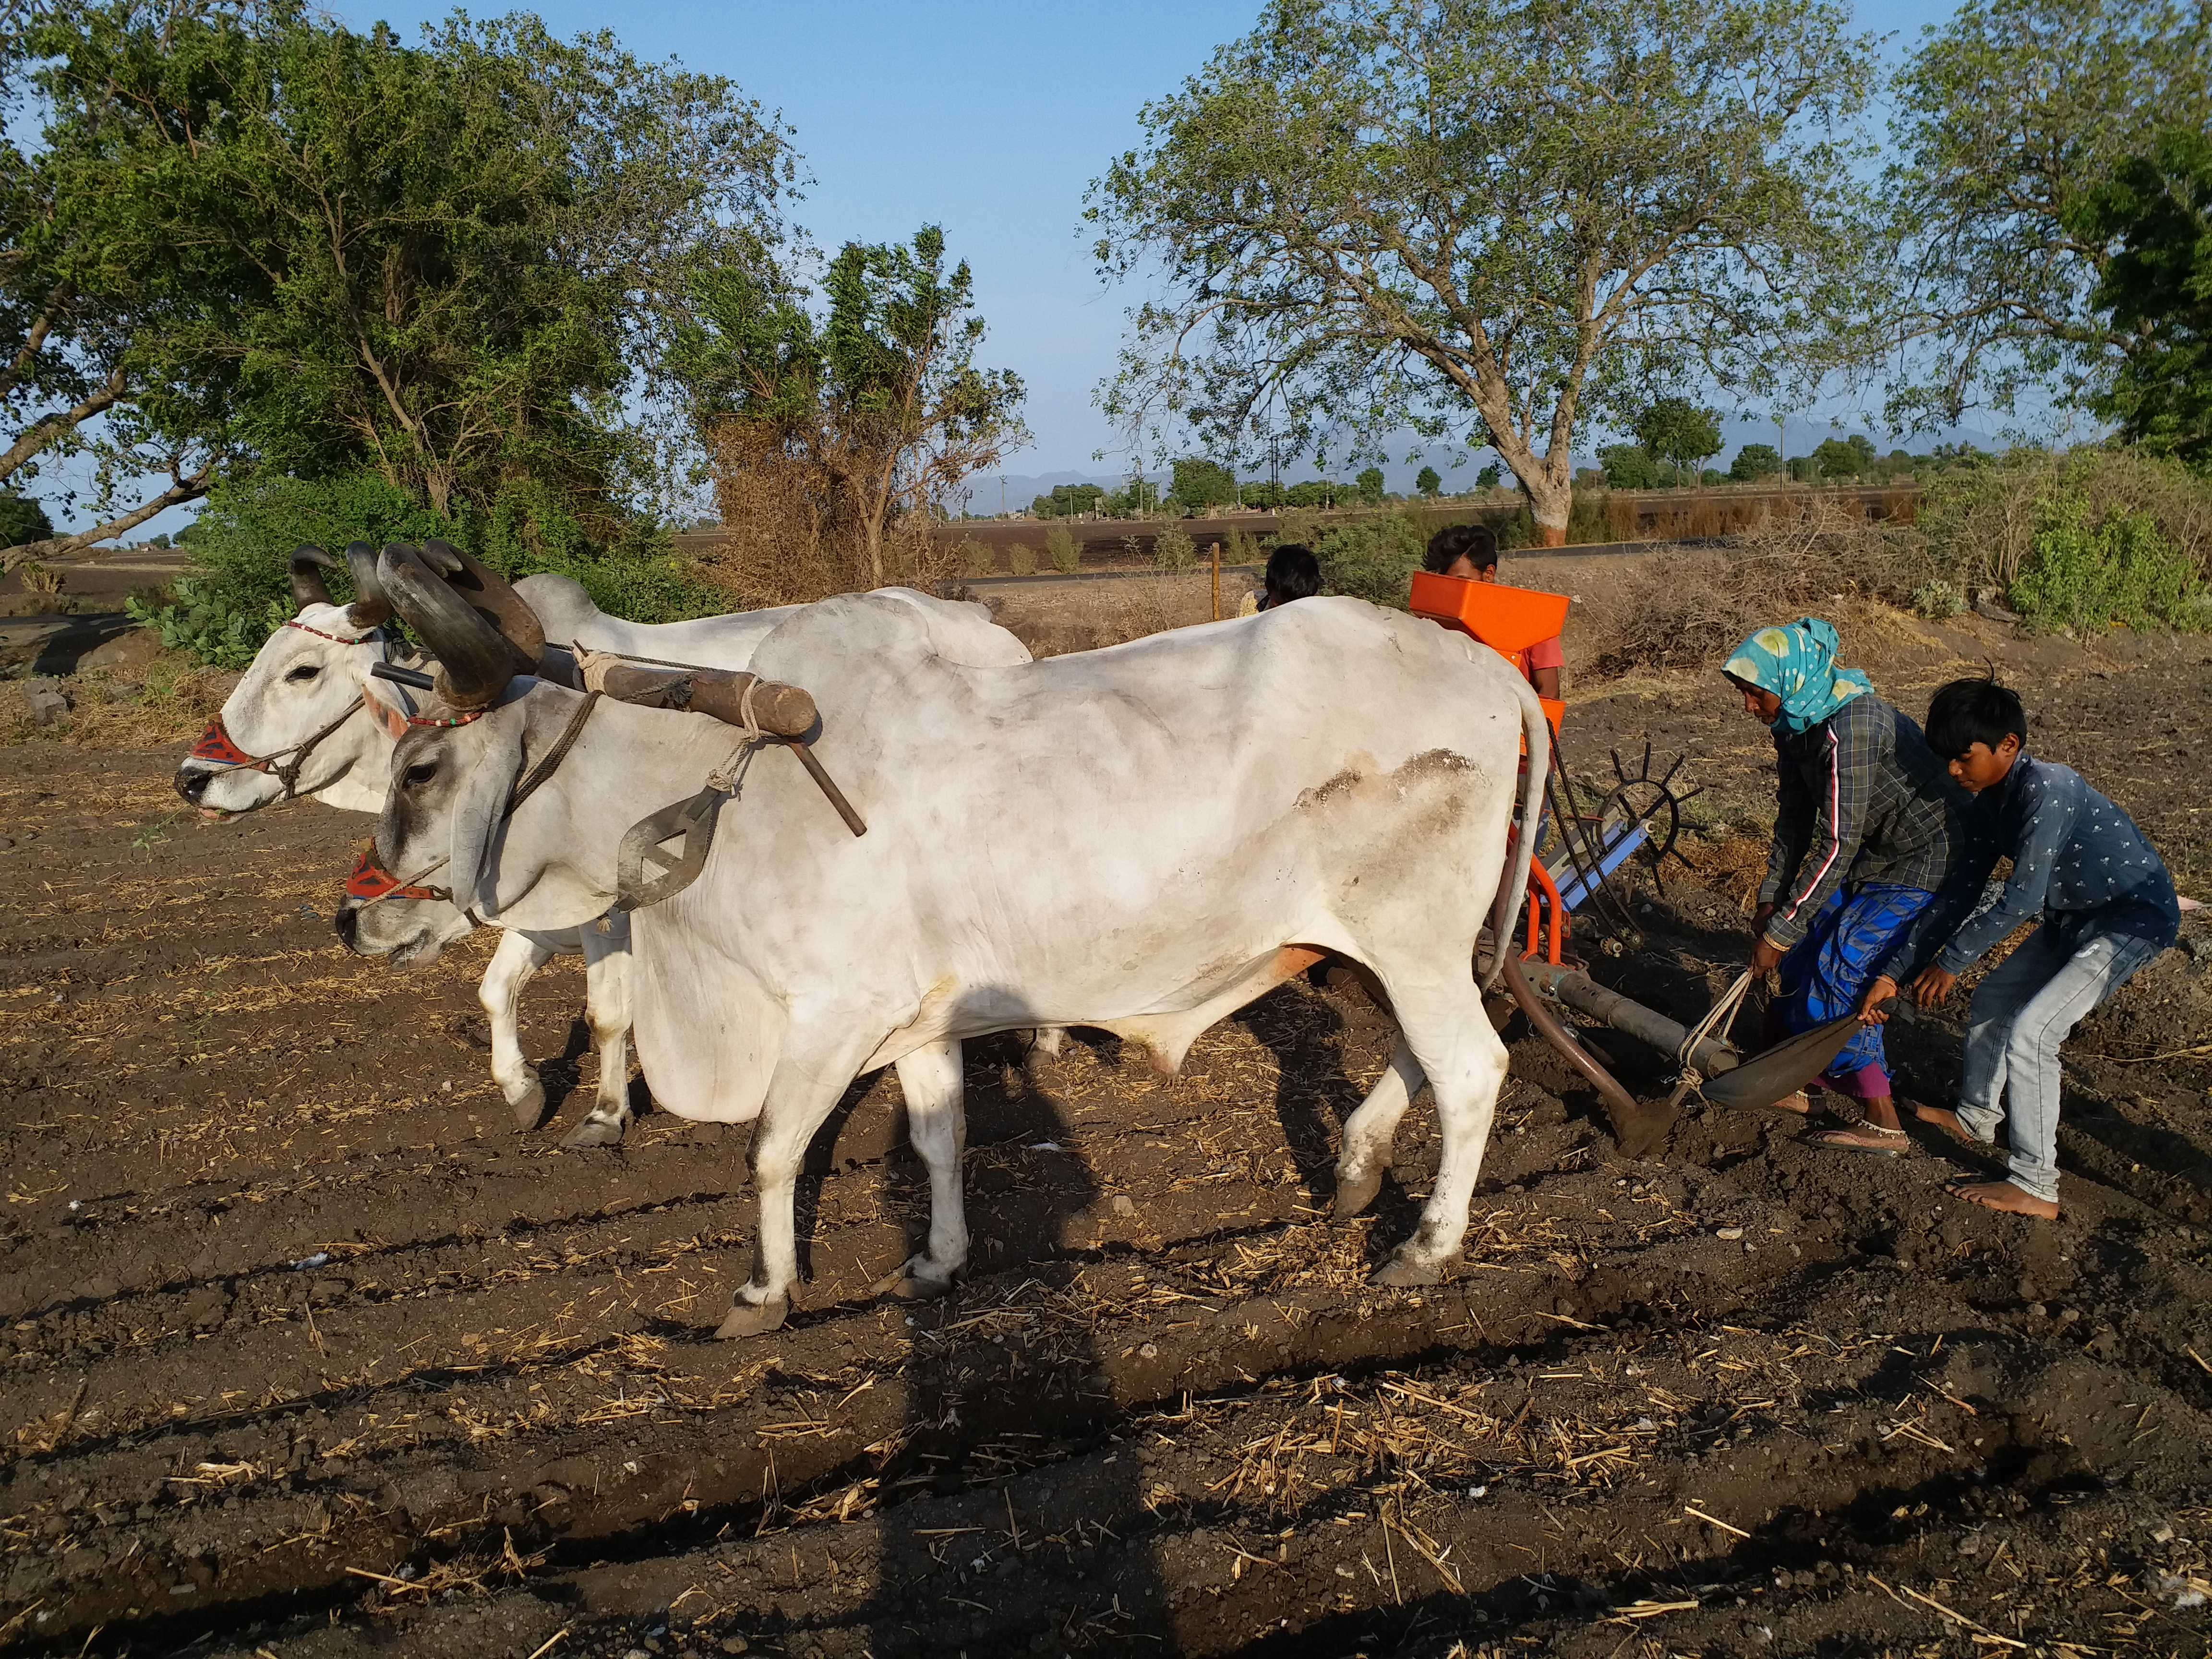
column 1509, row 620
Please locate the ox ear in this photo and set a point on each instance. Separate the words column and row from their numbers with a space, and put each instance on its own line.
column 480, row 812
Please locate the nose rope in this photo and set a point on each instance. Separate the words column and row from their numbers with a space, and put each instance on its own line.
column 372, row 883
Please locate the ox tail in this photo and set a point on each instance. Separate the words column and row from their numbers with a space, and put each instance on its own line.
column 1513, row 887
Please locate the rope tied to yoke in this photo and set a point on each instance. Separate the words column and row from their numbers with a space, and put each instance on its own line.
column 723, row 779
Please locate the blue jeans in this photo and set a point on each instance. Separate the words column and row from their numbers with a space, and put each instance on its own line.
column 2024, row 1010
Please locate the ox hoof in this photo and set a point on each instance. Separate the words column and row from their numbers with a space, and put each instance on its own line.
column 529, row 1108
column 592, row 1132
column 1402, row 1274
column 746, row 1320
column 915, row 1282
column 1355, row 1192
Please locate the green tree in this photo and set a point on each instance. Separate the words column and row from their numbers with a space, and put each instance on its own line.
column 1139, row 498
column 1313, row 492
column 1629, row 466
column 1838, row 457
column 1368, row 482
column 1200, row 485
column 1489, row 477
column 838, row 428
column 1676, row 429
column 1263, row 495
column 1753, row 462
column 23, row 520
column 1489, row 218
column 115, row 273
column 1429, row 481
column 2158, row 291
column 2010, row 116
column 470, row 231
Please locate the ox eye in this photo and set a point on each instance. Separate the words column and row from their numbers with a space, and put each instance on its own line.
column 306, row 670
column 419, row 773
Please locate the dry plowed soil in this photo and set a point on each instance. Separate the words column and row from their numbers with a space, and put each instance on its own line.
column 307, row 1351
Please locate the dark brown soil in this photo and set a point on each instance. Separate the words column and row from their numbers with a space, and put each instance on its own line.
column 305, row 1353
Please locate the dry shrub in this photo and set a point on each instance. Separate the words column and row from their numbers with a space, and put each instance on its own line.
column 169, row 700
column 1063, row 549
column 1100, row 614
column 1021, row 559
column 793, row 530
column 1687, row 609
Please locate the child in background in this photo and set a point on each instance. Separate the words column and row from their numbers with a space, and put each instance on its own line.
column 2107, row 907
column 1293, row 573
column 1469, row 551
column 1863, row 829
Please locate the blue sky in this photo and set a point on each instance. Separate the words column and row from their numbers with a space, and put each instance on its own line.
column 988, row 118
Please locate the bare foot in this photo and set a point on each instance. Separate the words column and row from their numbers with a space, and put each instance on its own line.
column 1948, row 1121
column 2003, row 1195
column 1870, row 1138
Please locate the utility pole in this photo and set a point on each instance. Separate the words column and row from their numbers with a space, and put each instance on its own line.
column 1782, row 444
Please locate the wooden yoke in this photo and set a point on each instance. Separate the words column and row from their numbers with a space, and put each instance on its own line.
column 782, row 711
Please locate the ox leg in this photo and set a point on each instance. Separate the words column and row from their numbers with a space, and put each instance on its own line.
column 800, row 1097
column 606, row 1000
column 1454, row 1044
column 1369, row 1132
column 937, row 1122
column 517, row 957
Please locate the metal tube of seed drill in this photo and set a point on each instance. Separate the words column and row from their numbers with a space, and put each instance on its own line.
column 1585, row 996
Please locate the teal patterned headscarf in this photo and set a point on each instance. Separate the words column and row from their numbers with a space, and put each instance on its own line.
column 1798, row 664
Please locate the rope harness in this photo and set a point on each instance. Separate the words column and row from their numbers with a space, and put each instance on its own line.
column 372, row 883
column 216, row 746
column 1717, row 1024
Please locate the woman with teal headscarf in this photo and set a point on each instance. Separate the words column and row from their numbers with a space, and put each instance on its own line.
column 1865, row 820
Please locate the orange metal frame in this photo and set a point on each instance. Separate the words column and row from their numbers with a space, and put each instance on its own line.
column 1509, row 620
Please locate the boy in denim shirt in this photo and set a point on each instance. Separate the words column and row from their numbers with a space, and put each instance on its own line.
column 2107, row 907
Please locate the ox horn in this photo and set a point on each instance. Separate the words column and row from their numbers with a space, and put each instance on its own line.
column 476, row 661
column 372, row 605
column 308, row 563
column 489, row 595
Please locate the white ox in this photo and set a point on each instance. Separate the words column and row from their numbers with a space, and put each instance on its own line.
column 1142, row 839
column 311, row 676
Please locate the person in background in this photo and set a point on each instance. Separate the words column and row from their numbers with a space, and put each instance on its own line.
column 1293, row 573
column 1469, row 551
column 2106, row 905
column 1865, row 823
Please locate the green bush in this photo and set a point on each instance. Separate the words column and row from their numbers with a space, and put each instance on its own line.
column 2091, row 566
column 1173, row 550
column 1938, row 600
column 974, row 558
column 1022, row 558
column 238, row 589
column 1373, row 559
column 1063, row 549
column 1984, row 523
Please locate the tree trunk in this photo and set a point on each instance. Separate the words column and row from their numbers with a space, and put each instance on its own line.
column 1551, row 500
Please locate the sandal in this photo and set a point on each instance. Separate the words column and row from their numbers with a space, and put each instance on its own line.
column 1890, row 1143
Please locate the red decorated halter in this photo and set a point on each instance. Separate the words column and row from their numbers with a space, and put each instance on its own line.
column 370, row 881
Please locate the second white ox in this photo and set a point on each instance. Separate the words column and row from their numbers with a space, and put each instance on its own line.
column 307, row 720
column 1220, row 804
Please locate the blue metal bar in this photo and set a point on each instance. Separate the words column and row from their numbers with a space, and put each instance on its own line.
column 1575, row 890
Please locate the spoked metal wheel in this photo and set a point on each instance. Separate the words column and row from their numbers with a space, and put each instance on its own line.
column 1639, row 798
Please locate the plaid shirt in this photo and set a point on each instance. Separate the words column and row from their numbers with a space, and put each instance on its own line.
column 1861, row 798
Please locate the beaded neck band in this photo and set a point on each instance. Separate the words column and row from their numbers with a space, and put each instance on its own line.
column 473, row 715
column 335, row 639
